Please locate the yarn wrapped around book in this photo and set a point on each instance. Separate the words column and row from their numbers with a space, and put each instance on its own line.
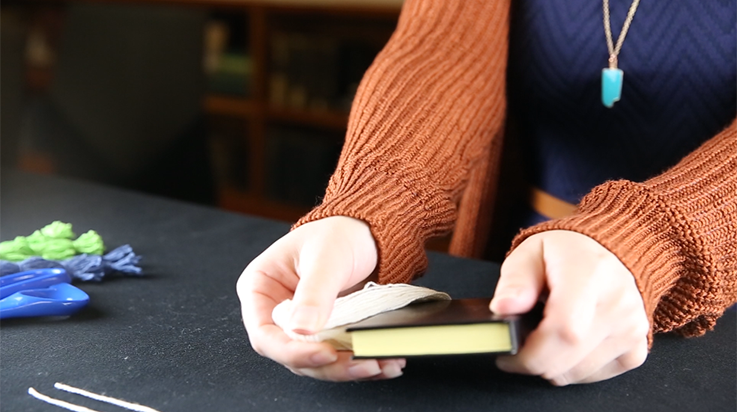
column 85, row 267
column 369, row 301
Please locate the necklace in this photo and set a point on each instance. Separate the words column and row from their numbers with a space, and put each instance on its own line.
column 612, row 77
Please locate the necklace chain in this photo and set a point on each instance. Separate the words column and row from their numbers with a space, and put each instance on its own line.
column 614, row 50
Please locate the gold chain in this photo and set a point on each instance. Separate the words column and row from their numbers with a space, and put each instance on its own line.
column 614, row 51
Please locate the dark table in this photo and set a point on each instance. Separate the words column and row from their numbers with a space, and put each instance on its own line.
column 174, row 340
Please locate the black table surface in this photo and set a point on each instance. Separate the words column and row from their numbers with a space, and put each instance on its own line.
column 174, row 341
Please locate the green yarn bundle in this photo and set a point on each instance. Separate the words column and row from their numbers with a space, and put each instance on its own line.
column 52, row 242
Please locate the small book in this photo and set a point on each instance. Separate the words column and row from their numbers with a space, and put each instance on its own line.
column 450, row 327
column 400, row 320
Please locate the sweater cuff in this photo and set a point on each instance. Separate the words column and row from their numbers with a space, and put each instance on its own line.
column 398, row 216
column 656, row 244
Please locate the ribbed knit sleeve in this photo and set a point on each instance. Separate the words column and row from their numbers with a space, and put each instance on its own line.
column 424, row 115
column 676, row 233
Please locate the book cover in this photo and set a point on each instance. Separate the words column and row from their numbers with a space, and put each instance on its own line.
column 460, row 326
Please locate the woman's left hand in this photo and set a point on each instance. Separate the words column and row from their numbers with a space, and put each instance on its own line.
column 594, row 325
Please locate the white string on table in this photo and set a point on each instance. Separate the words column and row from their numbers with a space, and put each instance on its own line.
column 107, row 399
column 58, row 402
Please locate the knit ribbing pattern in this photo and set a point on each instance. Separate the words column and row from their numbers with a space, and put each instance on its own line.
column 425, row 113
column 676, row 233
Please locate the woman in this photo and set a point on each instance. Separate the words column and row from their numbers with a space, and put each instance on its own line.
column 421, row 158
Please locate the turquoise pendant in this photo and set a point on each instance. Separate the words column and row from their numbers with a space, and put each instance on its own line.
column 611, row 86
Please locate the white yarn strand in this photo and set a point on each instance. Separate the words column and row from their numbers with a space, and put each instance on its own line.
column 369, row 301
column 59, row 403
column 107, row 399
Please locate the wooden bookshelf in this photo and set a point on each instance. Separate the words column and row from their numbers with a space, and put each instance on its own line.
column 370, row 21
column 328, row 120
column 367, row 21
column 245, row 202
column 355, row 22
column 367, row 8
column 232, row 106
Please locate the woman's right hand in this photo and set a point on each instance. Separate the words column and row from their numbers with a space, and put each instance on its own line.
column 310, row 265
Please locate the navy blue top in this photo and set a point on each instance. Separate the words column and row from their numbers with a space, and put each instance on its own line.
column 680, row 78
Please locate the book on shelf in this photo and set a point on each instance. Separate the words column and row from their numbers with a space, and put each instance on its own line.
column 316, row 72
column 398, row 321
column 232, row 75
column 227, row 65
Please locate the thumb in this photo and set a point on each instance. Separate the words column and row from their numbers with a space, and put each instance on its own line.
column 323, row 272
column 522, row 279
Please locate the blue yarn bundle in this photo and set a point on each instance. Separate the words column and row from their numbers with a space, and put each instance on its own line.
column 85, row 267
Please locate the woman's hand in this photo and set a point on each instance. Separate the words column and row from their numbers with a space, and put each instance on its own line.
column 310, row 265
column 594, row 325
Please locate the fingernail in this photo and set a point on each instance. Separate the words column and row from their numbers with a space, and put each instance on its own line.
column 323, row 358
column 392, row 370
column 503, row 364
column 305, row 319
column 509, row 293
column 364, row 370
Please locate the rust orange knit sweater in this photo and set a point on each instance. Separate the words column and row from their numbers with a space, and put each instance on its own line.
column 420, row 159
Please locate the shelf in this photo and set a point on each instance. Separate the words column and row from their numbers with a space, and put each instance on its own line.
column 330, row 120
column 340, row 7
column 243, row 202
column 231, row 106
column 244, row 108
column 263, row 147
column 37, row 162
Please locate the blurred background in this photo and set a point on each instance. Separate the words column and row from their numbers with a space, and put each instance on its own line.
column 238, row 104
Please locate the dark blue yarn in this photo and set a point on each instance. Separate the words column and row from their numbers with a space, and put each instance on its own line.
column 121, row 260
column 680, row 79
column 8, row 268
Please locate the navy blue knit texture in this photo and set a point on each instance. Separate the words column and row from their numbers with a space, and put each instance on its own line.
column 680, row 82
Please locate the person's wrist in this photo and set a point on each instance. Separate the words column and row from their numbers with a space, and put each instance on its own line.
column 365, row 252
